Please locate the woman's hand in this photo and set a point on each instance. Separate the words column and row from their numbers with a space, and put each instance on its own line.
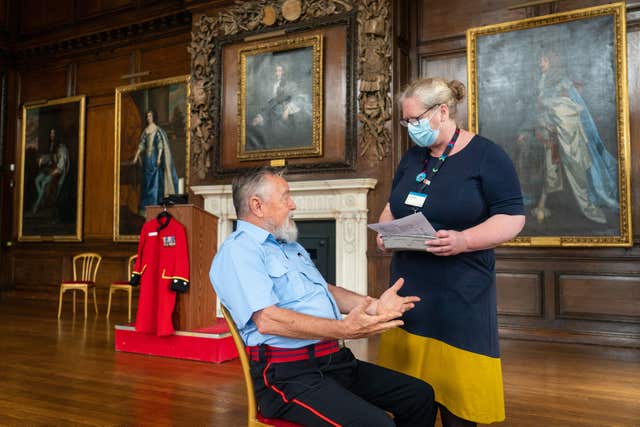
column 380, row 243
column 447, row 242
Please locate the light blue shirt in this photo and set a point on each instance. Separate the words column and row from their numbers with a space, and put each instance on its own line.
column 252, row 271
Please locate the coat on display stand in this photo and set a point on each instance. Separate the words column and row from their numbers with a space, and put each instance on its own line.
column 162, row 269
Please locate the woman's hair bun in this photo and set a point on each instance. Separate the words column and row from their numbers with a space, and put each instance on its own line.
column 457, row 87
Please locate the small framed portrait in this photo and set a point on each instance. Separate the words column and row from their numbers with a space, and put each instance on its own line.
column 50, row 170
column 151, row 149
column 280, row 102
column 552, row 91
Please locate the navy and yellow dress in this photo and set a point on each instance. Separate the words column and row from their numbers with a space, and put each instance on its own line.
column 450, row 339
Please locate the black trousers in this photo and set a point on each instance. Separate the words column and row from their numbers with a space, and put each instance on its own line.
column 339, row 390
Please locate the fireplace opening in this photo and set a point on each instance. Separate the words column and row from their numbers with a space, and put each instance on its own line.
column 319, row 239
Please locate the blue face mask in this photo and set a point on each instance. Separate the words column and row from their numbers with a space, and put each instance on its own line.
column 423, row 134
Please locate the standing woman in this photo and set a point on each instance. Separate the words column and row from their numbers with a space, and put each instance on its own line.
column 467, row 187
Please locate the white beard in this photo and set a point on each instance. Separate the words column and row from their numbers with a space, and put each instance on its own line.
column 287, row 232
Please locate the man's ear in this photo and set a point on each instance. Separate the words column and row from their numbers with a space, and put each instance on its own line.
column 255, row 205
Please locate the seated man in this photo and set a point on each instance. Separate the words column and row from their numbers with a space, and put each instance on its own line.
column 289, row 319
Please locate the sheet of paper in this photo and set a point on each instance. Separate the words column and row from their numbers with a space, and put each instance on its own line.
column 412, row 225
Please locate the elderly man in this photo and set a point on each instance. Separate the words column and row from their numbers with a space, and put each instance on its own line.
column 289, row 319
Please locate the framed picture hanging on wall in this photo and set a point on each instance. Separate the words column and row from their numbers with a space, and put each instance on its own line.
column 552, row 90
column 151, row 149
column 50, row 171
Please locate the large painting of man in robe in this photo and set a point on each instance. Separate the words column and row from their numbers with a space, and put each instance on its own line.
column 281, row 99
column 51, row 173
column 552, row 92
column 152, row 144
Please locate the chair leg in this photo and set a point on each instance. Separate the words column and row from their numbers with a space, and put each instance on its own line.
column 109, row 303
column 86, row 301
column 130, row 292
column 95, row 301
column 74, row 301
column 60, row 302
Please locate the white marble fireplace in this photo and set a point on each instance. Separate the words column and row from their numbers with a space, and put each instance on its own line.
column 343, row 200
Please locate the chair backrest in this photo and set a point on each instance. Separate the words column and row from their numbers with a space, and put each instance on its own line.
column 85, row 266
column 244, row 361
column 131, row 264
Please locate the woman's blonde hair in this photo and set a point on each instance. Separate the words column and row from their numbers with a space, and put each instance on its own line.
column 432, row 91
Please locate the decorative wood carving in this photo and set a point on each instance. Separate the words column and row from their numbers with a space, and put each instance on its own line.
column 108, row 38
column 374, row 69
column 374, row 74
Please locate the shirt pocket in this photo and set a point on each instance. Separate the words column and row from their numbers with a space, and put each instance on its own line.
column 286, row 284
column 312, row 273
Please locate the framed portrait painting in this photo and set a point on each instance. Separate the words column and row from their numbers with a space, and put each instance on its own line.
column 552, row 91
column 280, row 103
column 51, row 170
column 151, row 149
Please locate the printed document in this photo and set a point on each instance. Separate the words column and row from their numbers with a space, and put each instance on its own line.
column 408, row 233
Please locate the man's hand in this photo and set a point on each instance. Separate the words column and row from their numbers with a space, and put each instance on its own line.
column 391, row 302
column 359, row 324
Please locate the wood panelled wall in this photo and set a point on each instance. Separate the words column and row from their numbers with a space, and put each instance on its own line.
column 89, row 46
column 582, row 295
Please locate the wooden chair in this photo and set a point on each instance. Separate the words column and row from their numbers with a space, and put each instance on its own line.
column 255, row 418
column 85, row 269
column 123, row 286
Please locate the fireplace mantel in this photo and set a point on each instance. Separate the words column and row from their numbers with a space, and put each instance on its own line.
column 343, row 200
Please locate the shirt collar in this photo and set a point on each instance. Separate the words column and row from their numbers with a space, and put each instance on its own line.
column 258, row 233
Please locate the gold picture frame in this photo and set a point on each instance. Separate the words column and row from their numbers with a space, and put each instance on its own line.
column 280, row 113
column 148, row 170
column 552, row 91
column 51, row 170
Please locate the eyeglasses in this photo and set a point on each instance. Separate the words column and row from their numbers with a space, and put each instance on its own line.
column 415, row 120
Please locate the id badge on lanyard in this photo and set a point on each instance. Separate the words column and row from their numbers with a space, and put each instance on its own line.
column 415, row 199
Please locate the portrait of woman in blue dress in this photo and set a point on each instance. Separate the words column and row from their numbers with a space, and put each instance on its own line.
column 159, row 177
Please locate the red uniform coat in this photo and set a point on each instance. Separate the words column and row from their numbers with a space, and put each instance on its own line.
column 162, row 259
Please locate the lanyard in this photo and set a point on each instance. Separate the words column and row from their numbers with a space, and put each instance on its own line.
column 426, row 178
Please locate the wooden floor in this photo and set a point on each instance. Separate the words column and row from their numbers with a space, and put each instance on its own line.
column 66, row 373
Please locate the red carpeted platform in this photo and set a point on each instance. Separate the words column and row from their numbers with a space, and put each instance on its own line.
column 210, row 344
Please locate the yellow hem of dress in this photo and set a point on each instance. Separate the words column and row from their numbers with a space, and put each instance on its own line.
column 468, row 384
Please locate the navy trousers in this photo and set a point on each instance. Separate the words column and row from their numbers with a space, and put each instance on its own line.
column 339, row 390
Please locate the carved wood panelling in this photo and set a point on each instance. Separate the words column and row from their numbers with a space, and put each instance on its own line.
column 40, row 15
column 40, row 270
column 165, row 61
column 598, row 297
column 94, row 8
column 4, row 15
column 99, row 176
column 519, row 293
column 39, row 83
column 101, row 76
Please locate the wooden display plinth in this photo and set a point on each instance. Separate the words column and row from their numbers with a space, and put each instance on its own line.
column 212, row 344
column 196, row 308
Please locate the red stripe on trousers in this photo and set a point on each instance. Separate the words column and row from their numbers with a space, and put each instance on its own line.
column 296, row 401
